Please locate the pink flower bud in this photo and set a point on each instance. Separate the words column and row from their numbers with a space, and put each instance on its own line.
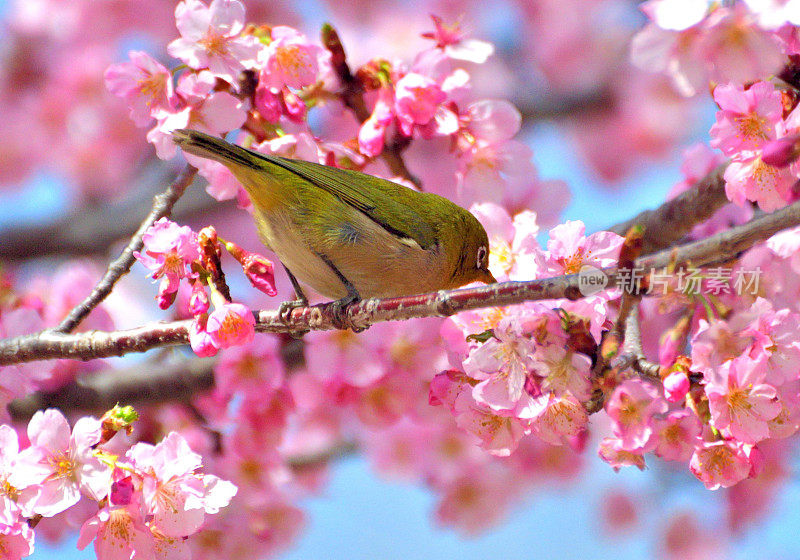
column 198, row 302
column 295, row 107
column 231, row 324
column 676, row 385
column 781, row 152
column 200, row 340
column 260, row 272
column 268, row 104
column 258, row 269
column 122, row 492
column 166, row 295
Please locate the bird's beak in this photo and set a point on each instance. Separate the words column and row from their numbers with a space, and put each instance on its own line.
column 487, row 277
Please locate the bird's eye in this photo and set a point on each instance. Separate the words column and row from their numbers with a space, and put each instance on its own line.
column 482, row 257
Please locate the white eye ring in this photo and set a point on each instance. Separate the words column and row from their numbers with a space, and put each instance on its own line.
column 481, row 257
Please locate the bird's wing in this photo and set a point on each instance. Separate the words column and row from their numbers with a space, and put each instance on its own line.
column 386, row 203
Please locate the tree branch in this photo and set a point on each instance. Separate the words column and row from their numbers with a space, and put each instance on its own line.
column 162, row 206
column 721, row 247
column 352, row 94
column 135, row 385
column 670, row 222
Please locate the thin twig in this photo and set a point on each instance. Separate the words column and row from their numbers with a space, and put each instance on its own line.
column 162, row 206
column 352, row 94
column 723, row 246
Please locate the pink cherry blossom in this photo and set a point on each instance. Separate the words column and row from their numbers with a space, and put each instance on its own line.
column 206, row 110
column 169, row 250
column 371, row 135
column 787, row 422
column 231, row 324
column 15, row 502
column 568, row 249
column 202, row 343
column 475, row 500
column 252, row 368
column 16, row 540
column 631, row 407
column 63, row 465
column 118, row 531
column 676, row 435
column 211, row 38
column 513, row 247
column 492, row 121
column 417, row 99
column 487, row 170
column 722, row 463
column 291, row 60
column 747, row 118
column 450, row 39
column 715, row 343
column 614, row 452
column 176, row 496
column 501, row 364
column 563, row 371
column 773, row 335
column 558, row 418
column 736, row 48
column 495, row 432
column 739, row 400
column 725, row 46
column 144, row 83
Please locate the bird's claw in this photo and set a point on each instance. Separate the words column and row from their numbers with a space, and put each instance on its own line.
column 339, row 316
column 285, row 314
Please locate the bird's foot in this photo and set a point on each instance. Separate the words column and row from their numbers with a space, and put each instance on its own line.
column 339, row 315
column 285, row 314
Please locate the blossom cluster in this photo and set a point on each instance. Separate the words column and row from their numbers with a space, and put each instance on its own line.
column 528, row 369
column 265, row 81
column 174, row 253
column 147, row 497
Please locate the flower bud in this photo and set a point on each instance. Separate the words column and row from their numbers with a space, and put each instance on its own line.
column 781, row 152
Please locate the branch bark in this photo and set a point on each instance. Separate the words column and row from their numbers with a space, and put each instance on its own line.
column 135, row 385
column 673, row 220
column 721, row 247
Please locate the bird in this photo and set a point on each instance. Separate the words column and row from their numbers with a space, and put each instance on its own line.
column 349, row 235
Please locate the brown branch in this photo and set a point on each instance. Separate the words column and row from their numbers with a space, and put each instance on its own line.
column 632, row 355
column 723, row 246
column 352, row 94
column 135, row 385
column 162, row 206
column 670, row 222
column 304, row 462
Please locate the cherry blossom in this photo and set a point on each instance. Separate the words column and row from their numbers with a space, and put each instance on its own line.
column 210, row 38
column 721, row 464
column 144, row 83
column 169, row 250
column 747, row 118
column 632, row 407
column 62, row 465
column 740, row 401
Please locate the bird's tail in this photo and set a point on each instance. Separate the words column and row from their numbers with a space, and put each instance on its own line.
column 217, row 149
